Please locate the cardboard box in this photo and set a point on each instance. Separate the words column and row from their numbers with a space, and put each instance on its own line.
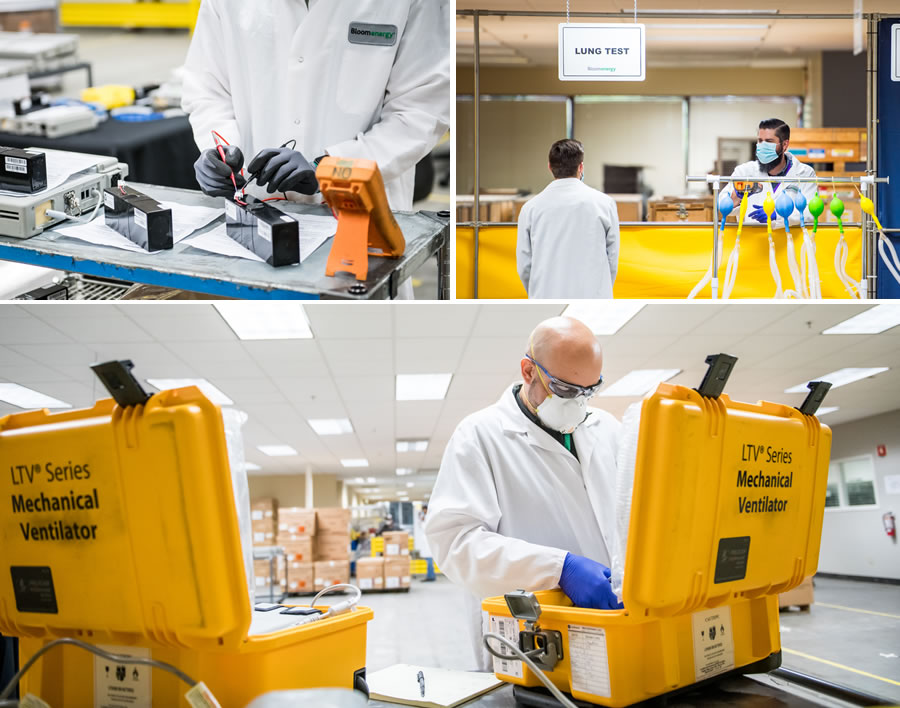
column 396, row 573
column 332, row 520
column 396, row 544
column 297, row 551
column 370, row 573
column 300, row 578
column 264, row 538
column 263, row 508
column 41, row 21
column 262, row 578
column 296, row 522
column 333, row 546
column 331, row 573
column 800, row 596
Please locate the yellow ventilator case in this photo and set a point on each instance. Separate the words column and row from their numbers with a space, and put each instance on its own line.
column 710, row 546
column 120, row 529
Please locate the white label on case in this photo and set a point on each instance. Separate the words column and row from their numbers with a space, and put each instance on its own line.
column 117, row 685
column 589, row 660
column 265, row 230
column 508, row 628
column 392, row 549
column 140, row 218
column 365, row 583
column 392, row 583
column 17, row 164
column 713, row 642
column 231, row 210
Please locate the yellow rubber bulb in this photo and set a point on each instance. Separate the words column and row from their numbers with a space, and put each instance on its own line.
column 769, row 208
column 868, row 206
column 741, row 214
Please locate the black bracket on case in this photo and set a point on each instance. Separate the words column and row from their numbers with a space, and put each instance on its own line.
column 720, row 367
column 817, row 391
column 122, row 385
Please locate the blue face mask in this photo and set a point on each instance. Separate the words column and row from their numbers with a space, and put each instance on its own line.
column 766, row 153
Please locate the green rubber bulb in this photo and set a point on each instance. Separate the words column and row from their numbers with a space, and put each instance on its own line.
column 837, row 208
column 816, row 208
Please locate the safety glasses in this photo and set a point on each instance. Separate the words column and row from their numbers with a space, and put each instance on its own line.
column 564, row 389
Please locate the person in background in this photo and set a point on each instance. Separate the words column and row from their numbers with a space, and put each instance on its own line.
column 388, row 525
column 421, row 541
column 773, row 159
column 540, row 448
column 568, row 235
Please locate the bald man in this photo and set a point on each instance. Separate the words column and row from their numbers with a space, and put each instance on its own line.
column 525, row 496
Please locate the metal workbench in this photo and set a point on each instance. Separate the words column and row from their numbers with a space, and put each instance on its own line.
column 187, row 268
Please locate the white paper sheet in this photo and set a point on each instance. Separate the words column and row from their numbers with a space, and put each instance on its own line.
column 185, row 221
column 61, row 166
column 314, row 231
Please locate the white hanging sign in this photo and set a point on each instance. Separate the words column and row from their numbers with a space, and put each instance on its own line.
column 602, row 52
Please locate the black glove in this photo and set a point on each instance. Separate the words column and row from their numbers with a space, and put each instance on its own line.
column 214, row 176
column 284, row 170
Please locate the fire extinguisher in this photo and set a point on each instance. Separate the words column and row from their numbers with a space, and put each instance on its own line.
column 890, row 524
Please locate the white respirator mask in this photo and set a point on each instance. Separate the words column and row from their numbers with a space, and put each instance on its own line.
column 562, row 414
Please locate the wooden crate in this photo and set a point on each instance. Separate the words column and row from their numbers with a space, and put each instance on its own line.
column 681, row 210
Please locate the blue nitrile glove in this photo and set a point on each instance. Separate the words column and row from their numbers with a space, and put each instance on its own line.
column 758, row 214
column 214, row 176
column 586, row 583
column 284, row 170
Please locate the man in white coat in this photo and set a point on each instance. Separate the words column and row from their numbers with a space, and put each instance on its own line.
column 291, row 81
column 525, row 496
column 568, row 235
column 773, row 159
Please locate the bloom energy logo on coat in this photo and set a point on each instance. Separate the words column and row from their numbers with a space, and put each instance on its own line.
column 364, row 33
column 602, row 52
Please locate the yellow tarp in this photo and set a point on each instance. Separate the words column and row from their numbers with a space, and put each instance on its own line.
column 658, row 261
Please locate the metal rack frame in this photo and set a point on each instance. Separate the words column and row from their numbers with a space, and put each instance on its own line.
column 864, row 182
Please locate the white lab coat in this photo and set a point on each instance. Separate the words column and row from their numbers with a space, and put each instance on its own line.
column 752, row 171
column 568, row 242
column 267, row 71
column 419, row 537
column 510, row 502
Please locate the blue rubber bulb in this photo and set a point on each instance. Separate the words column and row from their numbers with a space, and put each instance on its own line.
column 784, row 205
column 800, row 203
column 726, row 206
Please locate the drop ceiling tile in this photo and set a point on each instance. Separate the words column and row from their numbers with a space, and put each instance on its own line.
column 337, row 321
column 513, row 320
column 30, row 330
column 419, row 321
column 349, row 358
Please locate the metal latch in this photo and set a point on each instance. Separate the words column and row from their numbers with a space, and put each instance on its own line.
column 682, row 211
column 543, row 646
column 122, row 385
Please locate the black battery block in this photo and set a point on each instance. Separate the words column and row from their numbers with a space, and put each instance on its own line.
column 268, row 232
column 138, row 218
column 22, row 171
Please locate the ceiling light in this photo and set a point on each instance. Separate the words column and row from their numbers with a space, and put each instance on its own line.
column 412, row 445
column 277, row 450
column 355, row 480
column 370, row 480
column 266, row 320
column 875, row 320
column 410, row 485
column 422, row 387
column 639, row 382
column 355, row 462
column 211, row 392
column 331, row 426
column 251, row 466
column 405, row 471
column 839, row 378
column 603, row 318
column 825, row 410
column 22, row 397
